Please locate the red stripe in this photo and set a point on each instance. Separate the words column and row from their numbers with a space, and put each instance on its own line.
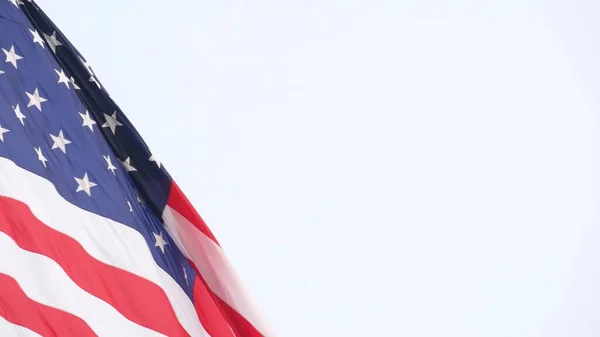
column 206, row 305
column 179, row 202
column 209, row 312
column 207, row 302
column 240, row 325
column 136, row 298
column 19, row 309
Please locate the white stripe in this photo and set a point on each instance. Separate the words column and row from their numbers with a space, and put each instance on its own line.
column 44, row 281
column 106, row 240
column 10, row 329
column 212, row 263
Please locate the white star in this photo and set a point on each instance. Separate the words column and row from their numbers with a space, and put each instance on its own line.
column 130, row 208
column 36, row 99
column 84, row 184
column 86, row 65
column 160, row 241
column 41, row 156
column 62, row 78
column 111, row 167
column 94, row 80
column 20, row 116
column 90, row 71
column 60, row 142
column 185, row 276
column 74, row 85
column 16, row 2
column 11, row 56
column 154, row 159
column 87, row 120
column 127, row 165
column 2, row 132
column 111, row 122
column 52, row 41
column 37, row 38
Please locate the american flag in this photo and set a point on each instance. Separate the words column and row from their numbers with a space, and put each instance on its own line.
column 96, row 239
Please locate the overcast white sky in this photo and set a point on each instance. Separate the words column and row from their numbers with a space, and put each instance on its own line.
column 376, row 168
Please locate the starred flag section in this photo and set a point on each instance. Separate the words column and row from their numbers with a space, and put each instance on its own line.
column 19, row 114
column 84, row 184
column 41, row 158
column 155, row 160
column 2, row 132
column 11, row 56
column 37, row 38
column 87, row 120
column 52, row 41
column 185, row 275
column 35, row 99
column 60, row 142
column 160, row 242
column 127, row 165
column 111, row 167
column 111, row 122
column 62, row 78
column 74, row 85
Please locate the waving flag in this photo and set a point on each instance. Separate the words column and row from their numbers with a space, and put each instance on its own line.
column 95, row 237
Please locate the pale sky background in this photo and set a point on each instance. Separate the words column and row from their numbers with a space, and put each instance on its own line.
column 376, row 168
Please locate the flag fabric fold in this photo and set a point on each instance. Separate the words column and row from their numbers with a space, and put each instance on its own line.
column 95, row 236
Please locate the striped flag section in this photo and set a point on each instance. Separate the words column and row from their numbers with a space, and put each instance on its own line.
column 96, row 238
